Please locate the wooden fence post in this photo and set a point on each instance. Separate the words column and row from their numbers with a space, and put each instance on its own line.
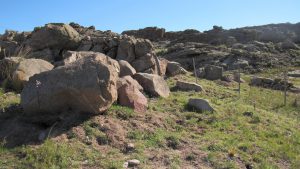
column 195, row 71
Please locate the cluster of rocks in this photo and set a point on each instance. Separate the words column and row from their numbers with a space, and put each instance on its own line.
column 61, row 68
column 250, row 48
column 276, row 84
column 218, row 35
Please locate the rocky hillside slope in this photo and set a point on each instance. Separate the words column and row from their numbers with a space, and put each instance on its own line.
column 253, row 48
column 76, row 97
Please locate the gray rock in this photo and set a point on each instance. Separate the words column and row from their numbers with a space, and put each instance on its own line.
column 174, row 68
column 126, row 49
column 26, row 69
column 55, row 36
column 186, row 86
column 133, row 163
column 200, row 105
column 154, row 85
column 213, row 72
column 143, row 47
column 126, row 68
column 144, row 63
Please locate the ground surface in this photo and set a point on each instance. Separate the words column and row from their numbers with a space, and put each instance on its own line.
column 253, row 130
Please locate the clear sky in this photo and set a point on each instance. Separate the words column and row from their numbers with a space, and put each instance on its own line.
column 119, row 15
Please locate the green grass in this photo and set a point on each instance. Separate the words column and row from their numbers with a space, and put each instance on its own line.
column 253, row 129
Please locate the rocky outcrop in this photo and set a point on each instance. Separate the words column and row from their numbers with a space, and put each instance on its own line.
column 276, row 84
column 200, row 105
column 54, row 36
column 86, row 85
column 151, row 33
column 153, row 84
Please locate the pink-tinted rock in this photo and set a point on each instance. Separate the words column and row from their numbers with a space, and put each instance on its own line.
column 130, row 96
column 128, row 80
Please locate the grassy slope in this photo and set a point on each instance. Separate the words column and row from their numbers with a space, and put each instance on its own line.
column 169, row 135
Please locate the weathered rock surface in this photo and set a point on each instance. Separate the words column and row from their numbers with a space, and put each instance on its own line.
column 130, row 81
column 174, row 68
column 130, row 96
column 73, row 56
column 55, row 36
column 163, row 63
column 153, row 84
column 200, row 105
column 26, row 69
column 213, row 72
column 126, row 49
column 126, row 69
column 152, row 33
column 187, row 86
column 86, row 85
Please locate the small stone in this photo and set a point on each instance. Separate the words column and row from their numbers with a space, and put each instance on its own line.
column 133, row 163
column 130, row 147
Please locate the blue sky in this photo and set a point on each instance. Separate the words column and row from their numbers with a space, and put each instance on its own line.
column 119, row 15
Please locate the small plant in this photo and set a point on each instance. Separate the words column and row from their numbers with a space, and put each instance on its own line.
column 102, row 139
column 173, row 142
column 190, row 157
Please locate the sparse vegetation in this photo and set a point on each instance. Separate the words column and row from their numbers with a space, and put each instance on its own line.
column 238, row 134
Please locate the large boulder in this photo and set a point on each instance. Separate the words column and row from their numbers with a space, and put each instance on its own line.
column 130, row 96
column 26, row 69
column 87, row 85
column 126, row 68
column 187, row 86
column 153, row 84
column 54, row 36
column 174, row 68
column 200, row 105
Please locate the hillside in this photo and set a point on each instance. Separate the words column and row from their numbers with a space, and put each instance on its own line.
column 76, row 97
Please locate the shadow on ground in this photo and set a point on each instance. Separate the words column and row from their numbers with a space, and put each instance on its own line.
column 16, row 129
